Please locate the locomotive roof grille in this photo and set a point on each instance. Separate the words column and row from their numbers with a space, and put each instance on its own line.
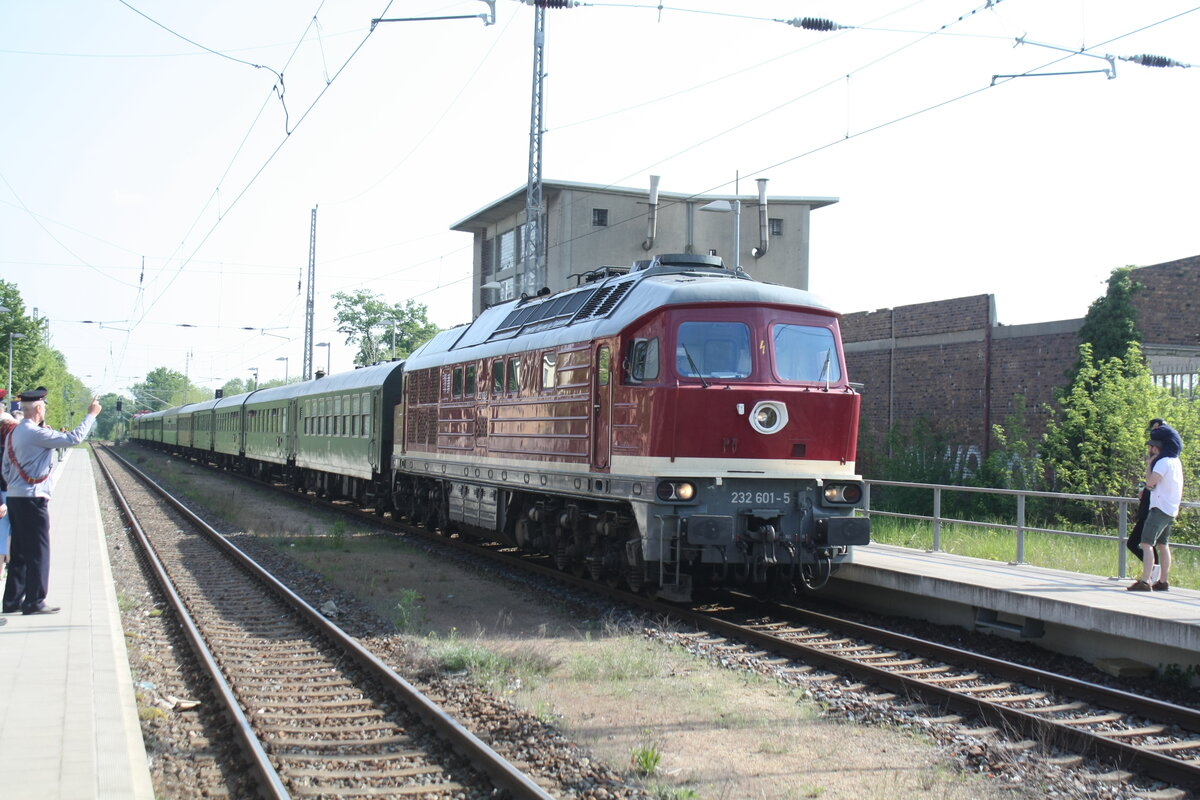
column 563, row 310
column 603, row 306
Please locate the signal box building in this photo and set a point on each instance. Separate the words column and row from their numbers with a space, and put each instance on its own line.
column 587, row 226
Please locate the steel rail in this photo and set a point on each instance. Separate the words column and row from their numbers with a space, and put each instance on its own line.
column 505, row 775
column 1132, row 757
column 1117, row 699
column 268, row 779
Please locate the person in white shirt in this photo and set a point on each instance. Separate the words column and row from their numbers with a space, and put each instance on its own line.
column 1164, row 479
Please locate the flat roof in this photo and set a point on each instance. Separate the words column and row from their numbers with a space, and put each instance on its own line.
column 514, row 201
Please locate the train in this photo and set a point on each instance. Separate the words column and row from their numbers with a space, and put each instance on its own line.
column 672, row 426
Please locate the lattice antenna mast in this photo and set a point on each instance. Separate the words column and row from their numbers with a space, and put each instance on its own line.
column 534, row 277
column 312, row 289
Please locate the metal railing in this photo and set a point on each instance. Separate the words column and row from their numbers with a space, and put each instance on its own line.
column 1019, row 526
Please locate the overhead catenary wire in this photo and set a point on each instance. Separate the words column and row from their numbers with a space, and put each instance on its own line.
column 192, row 260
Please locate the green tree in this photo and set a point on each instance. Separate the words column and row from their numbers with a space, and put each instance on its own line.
column 1112, row 320
column 1095, row 439
column 164, row 388
column 113, row 423
column 236, row 386
column 30, row 365
column 381, row 331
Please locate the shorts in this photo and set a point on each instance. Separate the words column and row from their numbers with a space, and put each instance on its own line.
column 1158, row 527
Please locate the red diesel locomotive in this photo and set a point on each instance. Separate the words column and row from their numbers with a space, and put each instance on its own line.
column 670, row 426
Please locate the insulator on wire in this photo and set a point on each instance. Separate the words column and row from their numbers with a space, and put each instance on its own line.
column 553, row 3
column 1147, row 60
column 815, row 24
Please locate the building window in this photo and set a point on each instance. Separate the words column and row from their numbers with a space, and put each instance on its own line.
column 599, row 217
column 508, row 251
column 485, row 257
column 775, row 226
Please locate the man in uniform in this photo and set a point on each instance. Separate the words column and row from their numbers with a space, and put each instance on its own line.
column 28, row 464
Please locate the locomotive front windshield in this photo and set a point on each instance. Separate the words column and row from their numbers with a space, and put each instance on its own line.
column 805, row 353
column 713, row 350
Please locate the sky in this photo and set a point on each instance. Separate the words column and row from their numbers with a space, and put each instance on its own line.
column 160, row 161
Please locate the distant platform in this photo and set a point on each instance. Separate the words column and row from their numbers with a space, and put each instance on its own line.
column 69, row 726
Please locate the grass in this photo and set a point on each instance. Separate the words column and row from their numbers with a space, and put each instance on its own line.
column 501, row 672
column 645, row 759
column 125, row 603
column 618, row 661
column 1071, row 553
column 407, row 612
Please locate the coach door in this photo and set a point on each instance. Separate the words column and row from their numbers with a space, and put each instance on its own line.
column 601, row 408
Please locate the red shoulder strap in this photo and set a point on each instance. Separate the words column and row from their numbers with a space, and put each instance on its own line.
column 13, row 458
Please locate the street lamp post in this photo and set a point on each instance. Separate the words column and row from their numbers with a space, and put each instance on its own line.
column 11, row 336
column 255, row 371
column 327, row 357
column 284, row 359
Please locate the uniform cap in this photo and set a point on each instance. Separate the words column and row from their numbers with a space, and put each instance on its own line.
column 33, row 395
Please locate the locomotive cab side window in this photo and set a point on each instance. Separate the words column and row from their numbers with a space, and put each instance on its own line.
column 642, row 362
column 497, row 377
column 549, row 370
column 719, row 350
column 805, row 353
column 469, row 390
column 457, row 392
column 513, row 383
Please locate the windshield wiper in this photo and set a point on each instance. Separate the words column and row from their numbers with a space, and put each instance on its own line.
column 825, row 371
column 695, row 369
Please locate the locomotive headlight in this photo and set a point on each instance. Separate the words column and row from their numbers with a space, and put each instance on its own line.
column 843, row 493
column 676, row 490
column 769, row 416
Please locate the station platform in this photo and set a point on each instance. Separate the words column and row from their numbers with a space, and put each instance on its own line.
column 1087, row 616
column 68, row 720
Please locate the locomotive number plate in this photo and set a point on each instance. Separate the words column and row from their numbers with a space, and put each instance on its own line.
column 760, row 498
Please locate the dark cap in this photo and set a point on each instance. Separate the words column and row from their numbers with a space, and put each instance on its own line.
column 33, row 395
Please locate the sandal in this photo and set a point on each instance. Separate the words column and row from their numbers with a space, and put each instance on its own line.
column 1140, row 586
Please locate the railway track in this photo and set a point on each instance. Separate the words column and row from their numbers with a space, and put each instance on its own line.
column 316, row 714
column 981, row 695
column 1137, row 734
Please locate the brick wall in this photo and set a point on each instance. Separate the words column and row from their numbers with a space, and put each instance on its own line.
column 1169, row 302
column 949, row 362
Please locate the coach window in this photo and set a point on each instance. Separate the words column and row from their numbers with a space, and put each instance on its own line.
column 457, row 392
column 470, row 378
column 513, row 382
column 549, row 372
